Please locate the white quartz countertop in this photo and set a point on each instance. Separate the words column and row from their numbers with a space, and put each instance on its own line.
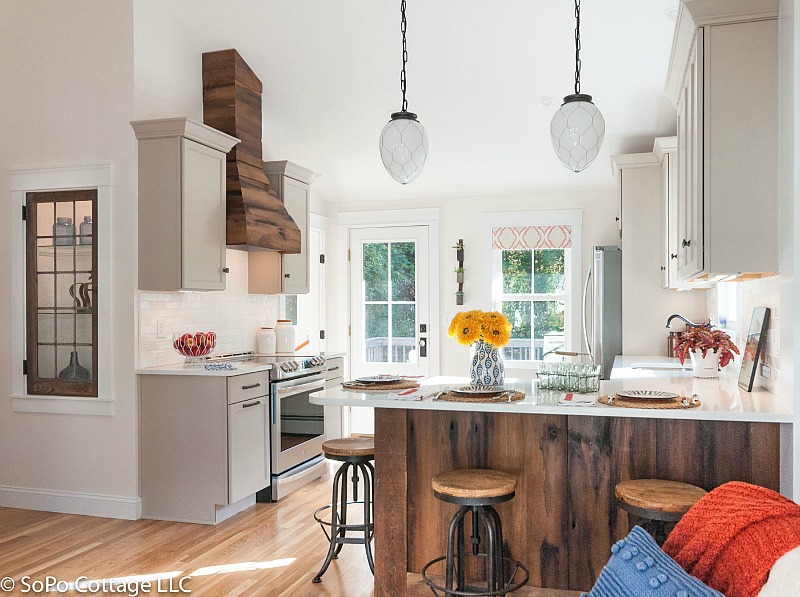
column 240, row 367
column 722, row 399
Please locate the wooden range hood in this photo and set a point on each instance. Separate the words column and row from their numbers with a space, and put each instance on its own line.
column 256, row 216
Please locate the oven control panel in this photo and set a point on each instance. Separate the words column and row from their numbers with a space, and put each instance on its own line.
column 309, row 363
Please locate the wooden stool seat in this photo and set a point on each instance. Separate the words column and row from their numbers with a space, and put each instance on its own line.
column 474, row 483
column 349, row 446
column 476, row 491
column 659, row 496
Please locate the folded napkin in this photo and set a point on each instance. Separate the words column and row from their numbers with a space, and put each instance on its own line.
column 412, row 394
column 573, row 400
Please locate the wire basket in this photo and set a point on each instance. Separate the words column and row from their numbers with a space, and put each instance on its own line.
column 569, row 377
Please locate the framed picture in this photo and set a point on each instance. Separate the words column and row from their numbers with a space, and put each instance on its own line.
column 754, row 347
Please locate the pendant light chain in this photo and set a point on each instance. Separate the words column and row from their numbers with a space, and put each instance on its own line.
column 405, row 55
column 403, row 143
column 577, row 46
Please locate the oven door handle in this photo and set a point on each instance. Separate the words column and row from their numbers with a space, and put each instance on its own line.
column 306, row 387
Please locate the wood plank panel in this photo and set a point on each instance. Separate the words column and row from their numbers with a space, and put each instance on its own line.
column 563, row 519
column 391, row 490
column 590, row 495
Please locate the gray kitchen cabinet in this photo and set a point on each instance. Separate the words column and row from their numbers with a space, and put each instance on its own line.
column 205, row 447
column 275, row 273
column 181, row 166
column 665, row 150
column 723, row 80
column 334, row 376
column 645, row 303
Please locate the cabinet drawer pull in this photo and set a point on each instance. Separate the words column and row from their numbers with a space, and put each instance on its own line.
column 333, row 368
column 251, row 386
column 686, row 243
column 249, row 404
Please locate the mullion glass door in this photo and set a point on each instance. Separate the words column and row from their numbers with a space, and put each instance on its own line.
column 61, row 293
column 389, row 313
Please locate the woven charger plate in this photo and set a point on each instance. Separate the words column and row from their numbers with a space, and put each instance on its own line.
column 451, row 397
column 644, row 403
column 403, row 384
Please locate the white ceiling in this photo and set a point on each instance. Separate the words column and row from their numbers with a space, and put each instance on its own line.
column 476, row 72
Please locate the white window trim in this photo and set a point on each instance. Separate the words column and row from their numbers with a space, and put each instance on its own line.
column 59, row 179
column 551, row 217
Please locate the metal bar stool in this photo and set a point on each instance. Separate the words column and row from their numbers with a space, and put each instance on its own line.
column 476, row 491
column 657, row 501
column 355, row 454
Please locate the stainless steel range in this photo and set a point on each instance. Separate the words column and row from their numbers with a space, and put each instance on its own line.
column 297, row 427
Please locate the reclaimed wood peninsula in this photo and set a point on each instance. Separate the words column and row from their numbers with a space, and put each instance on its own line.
column 563, row 520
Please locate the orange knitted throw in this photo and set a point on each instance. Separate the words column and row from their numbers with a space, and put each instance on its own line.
column 732, row 537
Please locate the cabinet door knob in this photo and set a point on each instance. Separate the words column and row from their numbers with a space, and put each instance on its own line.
column 287, row 275
column 226, row 270
column 617, row 218
column 663, row 268
column 673, row 255
column 686, row 243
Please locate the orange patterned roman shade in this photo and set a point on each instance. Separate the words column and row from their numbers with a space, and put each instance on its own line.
column 521, row 238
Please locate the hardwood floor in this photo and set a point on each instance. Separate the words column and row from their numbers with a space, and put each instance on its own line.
column 269, row 549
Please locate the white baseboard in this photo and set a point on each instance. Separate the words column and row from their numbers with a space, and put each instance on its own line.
column 70, row 502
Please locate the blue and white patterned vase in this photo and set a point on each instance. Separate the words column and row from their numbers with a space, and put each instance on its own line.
column 487, row 367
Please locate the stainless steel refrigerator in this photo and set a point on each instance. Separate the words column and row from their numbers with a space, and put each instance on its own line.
column 602, row 307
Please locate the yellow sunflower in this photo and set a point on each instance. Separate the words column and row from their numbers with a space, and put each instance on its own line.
column 467, row 326
column 496, row 329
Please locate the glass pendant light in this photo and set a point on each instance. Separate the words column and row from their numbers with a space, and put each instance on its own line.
column 577, row 129
column 403, row 142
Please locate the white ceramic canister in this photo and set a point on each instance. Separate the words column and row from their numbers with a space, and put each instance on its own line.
column 284, row 332
column 266, row 341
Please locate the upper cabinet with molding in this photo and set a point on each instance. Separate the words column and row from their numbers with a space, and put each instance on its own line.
column 276, row 273
column 723, row 80
column 181, row 204
column 665, row 149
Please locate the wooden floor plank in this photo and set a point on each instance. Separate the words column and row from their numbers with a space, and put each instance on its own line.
column 268, row 550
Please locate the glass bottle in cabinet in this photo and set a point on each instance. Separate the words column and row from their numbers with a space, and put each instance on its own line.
column 61, row 297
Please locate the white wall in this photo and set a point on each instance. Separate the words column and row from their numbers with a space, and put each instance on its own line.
column 789, row 211
column 460, row 219
column 66, row 88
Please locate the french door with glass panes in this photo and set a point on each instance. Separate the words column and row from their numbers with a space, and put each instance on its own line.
column 389, row 308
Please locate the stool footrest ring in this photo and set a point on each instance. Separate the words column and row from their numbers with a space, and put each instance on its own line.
column 508, row 588
column 344, row 527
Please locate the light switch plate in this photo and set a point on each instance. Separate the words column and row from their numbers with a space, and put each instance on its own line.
column 161, row 328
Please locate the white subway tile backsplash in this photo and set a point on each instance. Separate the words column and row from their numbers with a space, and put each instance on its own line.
column 763, row 292
column 233, row 314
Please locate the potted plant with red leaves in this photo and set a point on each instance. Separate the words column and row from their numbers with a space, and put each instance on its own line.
column 708, row 348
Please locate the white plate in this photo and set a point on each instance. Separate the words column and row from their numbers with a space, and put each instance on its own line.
column 473, row 390
column 379, row 379
column 648, row 394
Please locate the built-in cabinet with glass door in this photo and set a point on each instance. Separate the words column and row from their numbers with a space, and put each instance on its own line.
column 61, row 293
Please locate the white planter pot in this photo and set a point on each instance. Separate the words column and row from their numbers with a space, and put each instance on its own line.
column 707, row 366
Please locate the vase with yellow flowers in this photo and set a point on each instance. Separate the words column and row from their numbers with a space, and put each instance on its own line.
column 487, row 332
